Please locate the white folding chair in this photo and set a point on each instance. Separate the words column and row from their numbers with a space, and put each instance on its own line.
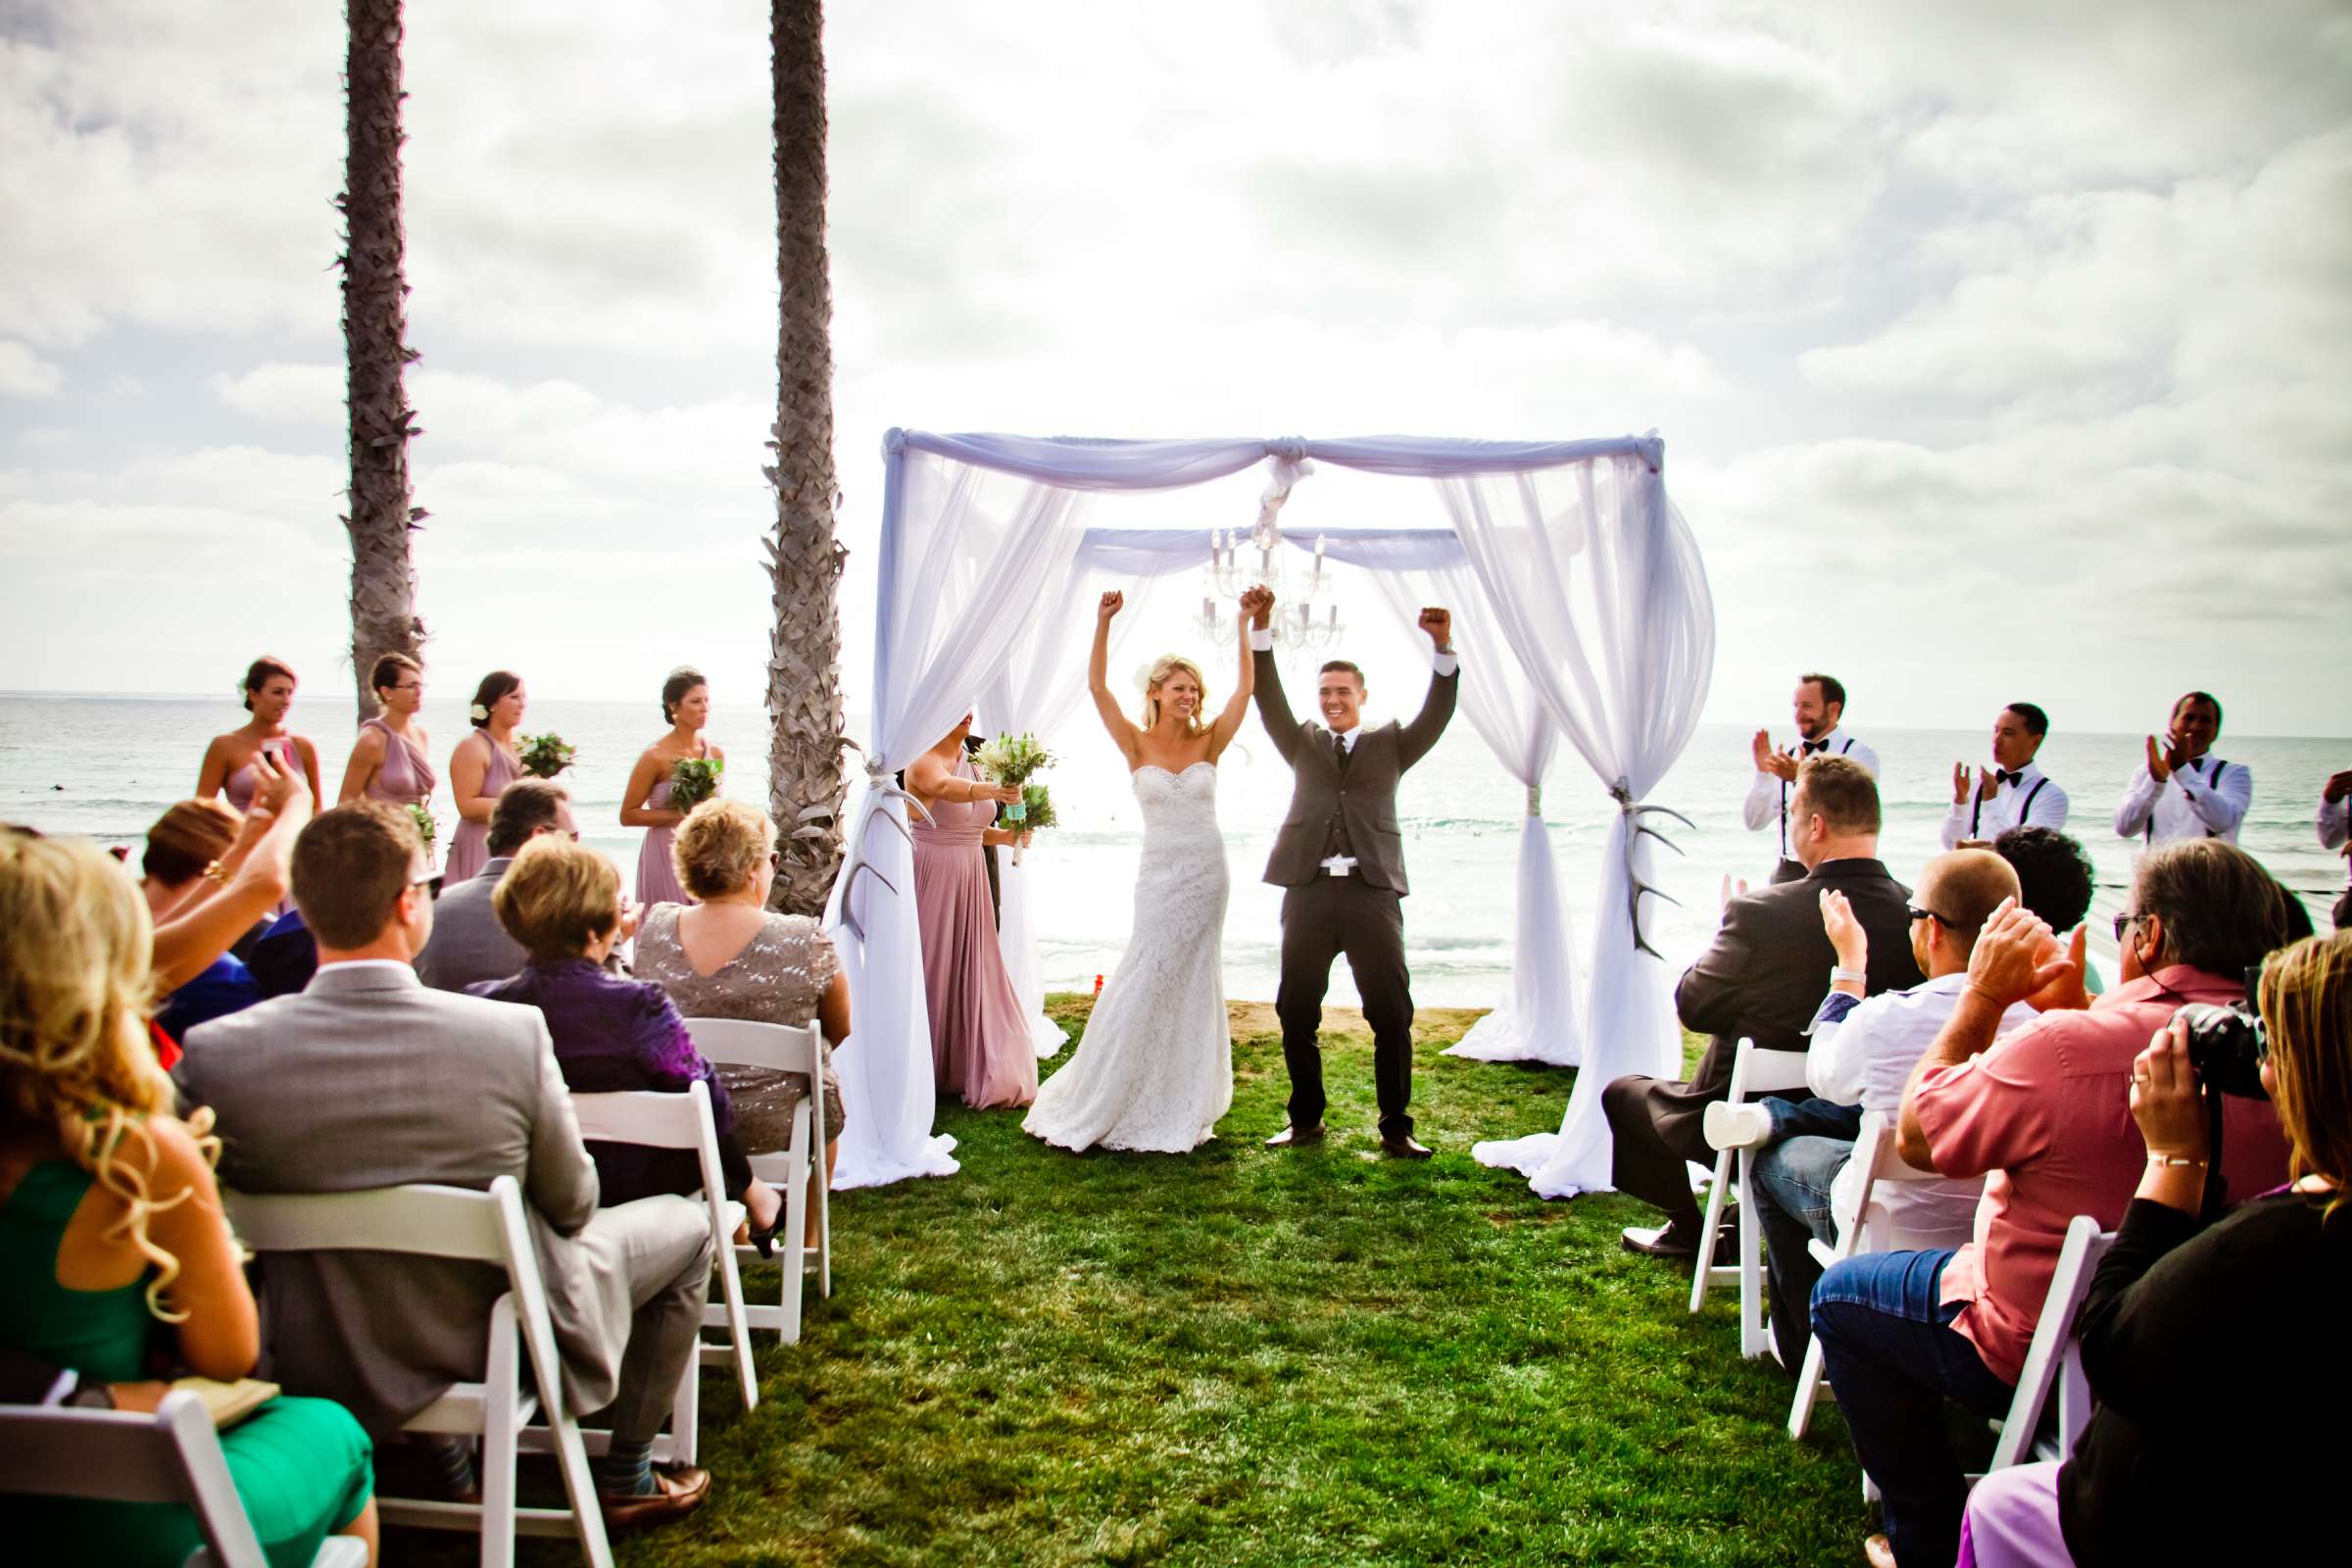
column 656, row 1120
column 480, row 1227
column 129, row 1456
column 783, row 1048
column 2054, row 1360
column 1756, row 1072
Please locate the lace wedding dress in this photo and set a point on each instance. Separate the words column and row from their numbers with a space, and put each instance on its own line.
column 1153, row 1070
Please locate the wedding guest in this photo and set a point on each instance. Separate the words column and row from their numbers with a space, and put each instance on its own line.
column 2043, row 1113
column 468, row 945
column 2054, row 877
column 725, row 954
column 187, row 842
column 111, row 1234
column 561, row 903
column 284, row 956
column 645, row 801
column 390, row 760
column 2182, row 791
column 981, row 1052
column 1860, row 1056
column 1760, row 978
column 1819, row 709
column 2336, row 829
column 233, row 894
column 2213, row 1349
column 228, row 766
column 369, row 1079
column 2013, row 792
column 485, row 763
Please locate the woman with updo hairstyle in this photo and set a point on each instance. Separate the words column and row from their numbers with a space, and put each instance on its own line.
column 483, row 764
column 390, row 760
column 228, row 768
column 187, row 842
column 2214, row 1345
column 112, row 1239
column 728, row 956
column 645, row 800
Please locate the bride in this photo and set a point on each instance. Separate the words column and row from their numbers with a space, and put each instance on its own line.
column 1154, row 1068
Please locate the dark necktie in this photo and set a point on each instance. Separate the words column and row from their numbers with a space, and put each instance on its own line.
column 1339, row 749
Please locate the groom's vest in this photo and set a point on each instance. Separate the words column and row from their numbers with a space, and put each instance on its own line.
column 1350, row 808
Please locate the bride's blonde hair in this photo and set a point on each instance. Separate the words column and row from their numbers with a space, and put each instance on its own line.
column 75, row 952
column 1166, row 665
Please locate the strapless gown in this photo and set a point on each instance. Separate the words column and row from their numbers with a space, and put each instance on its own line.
column 657, row 873
column 470, row 843
column 980, row 1049
column 1153, row 1070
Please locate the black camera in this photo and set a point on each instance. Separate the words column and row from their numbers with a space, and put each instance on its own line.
column 2227, row 1043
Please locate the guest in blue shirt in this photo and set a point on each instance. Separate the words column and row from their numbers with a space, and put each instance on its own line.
column 185, row 843
column 561, row 902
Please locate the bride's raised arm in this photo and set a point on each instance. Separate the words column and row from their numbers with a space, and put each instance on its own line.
column 1098, row 679
column 1244, row 686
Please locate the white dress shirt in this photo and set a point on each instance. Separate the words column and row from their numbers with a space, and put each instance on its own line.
column 2024, row 799
column 1865, row 1059
column 1767, row 800
column 2188, row 805
column 1261, row 641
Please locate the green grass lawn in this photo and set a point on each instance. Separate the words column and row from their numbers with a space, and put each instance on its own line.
column 1248, row 1356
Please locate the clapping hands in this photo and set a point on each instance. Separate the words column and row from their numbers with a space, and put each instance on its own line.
column 1847, row 936
column 1769, row 760
column 2018, row 959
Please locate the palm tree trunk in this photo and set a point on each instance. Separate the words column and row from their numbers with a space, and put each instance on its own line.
column 383, row 580
column 804, row 560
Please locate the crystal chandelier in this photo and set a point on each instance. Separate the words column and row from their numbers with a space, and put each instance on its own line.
column 1238, row 563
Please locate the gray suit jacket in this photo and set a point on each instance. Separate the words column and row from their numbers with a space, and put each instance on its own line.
column 1365, row 799
column 468, row 943
column 369, row 1079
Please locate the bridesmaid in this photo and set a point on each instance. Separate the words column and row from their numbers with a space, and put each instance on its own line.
column 980, row 1047
column 645, row 803
column 483, row 764
column 227, row 767
column 389, row 762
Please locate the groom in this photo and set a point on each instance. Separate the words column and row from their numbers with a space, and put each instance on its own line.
column 1342, row 859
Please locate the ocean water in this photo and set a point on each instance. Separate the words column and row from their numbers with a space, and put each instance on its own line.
column 108, row 766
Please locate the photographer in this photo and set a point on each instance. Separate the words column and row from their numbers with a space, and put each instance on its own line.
column 2216, row 1352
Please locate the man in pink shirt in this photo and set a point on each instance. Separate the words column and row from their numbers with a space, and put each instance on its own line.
column 2045, row 1118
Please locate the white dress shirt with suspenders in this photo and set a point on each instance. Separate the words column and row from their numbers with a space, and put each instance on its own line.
column 1768, row 797
column 2206, row 799
column 2024, row 798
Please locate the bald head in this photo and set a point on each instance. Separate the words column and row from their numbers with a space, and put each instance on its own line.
column 1961, row 890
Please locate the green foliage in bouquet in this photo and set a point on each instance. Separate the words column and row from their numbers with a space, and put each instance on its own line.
column 1011, row 760
column 694, row 780
column 1038, row 803
column 546, row 756
column 426, row 828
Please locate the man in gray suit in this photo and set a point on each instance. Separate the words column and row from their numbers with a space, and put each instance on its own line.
column 369, row 1079
column 468, row 943
column 1341, row 858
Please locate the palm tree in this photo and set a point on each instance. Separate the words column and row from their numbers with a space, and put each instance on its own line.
column 383, row 580
column 804, row 560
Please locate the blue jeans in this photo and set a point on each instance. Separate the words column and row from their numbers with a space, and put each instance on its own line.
column 1811, row 1117
column 1791, row 1180
column 1894, row 1357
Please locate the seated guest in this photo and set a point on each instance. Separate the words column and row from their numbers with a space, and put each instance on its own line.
column 284, row 956
column 111, row 1235
column 560, row 904
column 2013, row 792
column 468, row 945
column 1761, row 978
column 2207, row 1345
column 369, row 1079
column 728, row 956
column 2044, row 1114
column 2054, row 875
column 2182, row 791
column 233, row 894
column 1861, row 1055
column 187, row 842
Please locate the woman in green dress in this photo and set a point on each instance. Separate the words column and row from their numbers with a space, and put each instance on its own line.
column 111, row 1225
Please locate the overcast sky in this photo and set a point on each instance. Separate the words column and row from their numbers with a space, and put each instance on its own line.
column 2000, row 350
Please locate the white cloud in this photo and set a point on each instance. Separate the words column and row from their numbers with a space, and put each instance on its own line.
column 276, row 393
column 24, row 374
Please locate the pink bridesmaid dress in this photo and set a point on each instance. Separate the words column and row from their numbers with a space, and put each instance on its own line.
column 981, row 1052
column 406, row 777
column 469, row 845
column 240, row 787
column 657, row 873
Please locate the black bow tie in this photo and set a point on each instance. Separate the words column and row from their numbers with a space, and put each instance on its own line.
column 1810, row 747
column 2004, row 776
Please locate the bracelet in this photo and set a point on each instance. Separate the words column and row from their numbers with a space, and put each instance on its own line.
column 1841, row 973
column 216, row 873
column 2176, row 1162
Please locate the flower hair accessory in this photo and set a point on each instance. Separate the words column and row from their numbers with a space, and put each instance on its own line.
column 478, row 713
column 1143, row 679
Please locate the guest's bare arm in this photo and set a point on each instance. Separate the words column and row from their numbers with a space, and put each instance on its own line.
column 367, row 756
column 186, row 943
column 2016, row 955
column 221, row 1337
column 833, row 1009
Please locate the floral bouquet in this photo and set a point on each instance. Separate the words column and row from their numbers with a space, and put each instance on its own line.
column 427, row 829
column 1037, row 812
column 546, row 756
column 1011, row 760
column 694, row 780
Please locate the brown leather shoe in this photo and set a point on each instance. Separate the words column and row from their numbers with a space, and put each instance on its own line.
column 678, row 1489
column 1679, row 1246
column 1878, row 1551
column 1405, row 1147
column 1293, row 1137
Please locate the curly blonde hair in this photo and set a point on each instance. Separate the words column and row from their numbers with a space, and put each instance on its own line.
column 718, row 844
column 1166, row 665
column 75, row 987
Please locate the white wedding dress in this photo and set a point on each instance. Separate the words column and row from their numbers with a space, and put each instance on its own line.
column 1153, row 1070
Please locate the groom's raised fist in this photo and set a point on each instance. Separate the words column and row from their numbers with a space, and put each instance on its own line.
column 1112, row 602
column 1439, row 624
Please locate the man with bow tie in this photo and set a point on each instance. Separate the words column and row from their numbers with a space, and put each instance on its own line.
column 1819, row 709
column 2013, row 792
column 2182, row 791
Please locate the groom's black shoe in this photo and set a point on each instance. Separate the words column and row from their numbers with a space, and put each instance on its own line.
column 1403, row 1145
column 1291, row 1137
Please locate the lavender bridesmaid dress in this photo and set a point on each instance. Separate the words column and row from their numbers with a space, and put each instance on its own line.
column 469, row 845
column 240, row 787
column 657, row 876
column 406, row 778
column 980, row 1047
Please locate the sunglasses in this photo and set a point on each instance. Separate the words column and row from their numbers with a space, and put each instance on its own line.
column 1918, row 914
column 431, row 885
column 2125, row 922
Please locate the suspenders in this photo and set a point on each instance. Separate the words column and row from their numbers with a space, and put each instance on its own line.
column 1976, row 810
column 2213, row 781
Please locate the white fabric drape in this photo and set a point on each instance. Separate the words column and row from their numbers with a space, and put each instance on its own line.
column 1597, row 587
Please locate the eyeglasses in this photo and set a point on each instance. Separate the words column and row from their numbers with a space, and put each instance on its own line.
column 1918, row 914
column 2125, row 922
column 431, row 885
